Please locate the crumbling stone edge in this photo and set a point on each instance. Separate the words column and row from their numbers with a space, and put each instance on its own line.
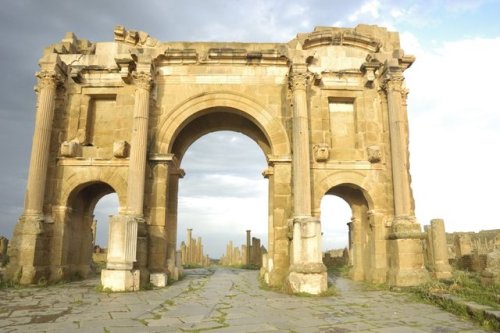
column 481, row 313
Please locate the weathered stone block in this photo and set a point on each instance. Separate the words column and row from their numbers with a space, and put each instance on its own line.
column 120, row 280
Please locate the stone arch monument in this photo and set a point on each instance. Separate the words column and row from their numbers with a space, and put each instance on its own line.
column 327, row 108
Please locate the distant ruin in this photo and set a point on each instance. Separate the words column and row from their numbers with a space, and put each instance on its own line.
column 192, row 252
column 249, row 254
column 477, row 252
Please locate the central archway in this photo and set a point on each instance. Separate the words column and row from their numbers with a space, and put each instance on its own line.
column 222, row 195
column 221, row 111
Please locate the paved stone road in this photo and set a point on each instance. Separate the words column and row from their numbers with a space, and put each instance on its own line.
column 228, row 300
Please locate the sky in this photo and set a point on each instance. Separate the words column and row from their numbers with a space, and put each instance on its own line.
column 453, row 109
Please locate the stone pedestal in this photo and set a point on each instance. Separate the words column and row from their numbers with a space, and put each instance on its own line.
column 120, row 280
column 441, row 266
column 122, row 247
column 307, row 278
column 307, row 273
column 28, row 251
column 158, row 279
column 406, row 262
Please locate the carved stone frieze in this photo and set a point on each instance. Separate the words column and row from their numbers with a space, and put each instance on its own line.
column 120, row 149
column 70, row 148
column 321, row 152
column 374, row 154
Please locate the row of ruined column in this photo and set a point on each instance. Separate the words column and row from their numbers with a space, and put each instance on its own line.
column 250, row 253
column 192, row 252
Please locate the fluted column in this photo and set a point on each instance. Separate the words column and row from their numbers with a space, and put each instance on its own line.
column 138, row 149
column 301, row 158
column 399, row 145
column 307, row 272
column 405, row 247
column 128, row 238
column 47, row 85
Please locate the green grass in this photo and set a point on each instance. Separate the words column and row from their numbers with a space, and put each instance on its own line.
column 467, row 287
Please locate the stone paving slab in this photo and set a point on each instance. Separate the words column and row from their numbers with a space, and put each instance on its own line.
column 222, row 300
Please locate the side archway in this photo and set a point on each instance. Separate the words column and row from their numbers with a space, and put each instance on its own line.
column 73, row 229
column 364, row 233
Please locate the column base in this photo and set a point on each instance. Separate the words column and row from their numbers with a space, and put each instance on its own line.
column 158, row 279
column 120, row 280
column 307, row 278
column 442, row 275
column 406, row 263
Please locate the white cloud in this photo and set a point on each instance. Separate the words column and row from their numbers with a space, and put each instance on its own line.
column 335, row 214
column 369, row 9
column 455, row 132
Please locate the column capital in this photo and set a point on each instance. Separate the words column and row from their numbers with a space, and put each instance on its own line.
column 143, row 80
column 48, row 79
column 393, row 80
column 299, row 80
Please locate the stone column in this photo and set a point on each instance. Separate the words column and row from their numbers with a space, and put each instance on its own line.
column 29, row 252
column 307, row 272
column 138, row 145
column 175, row 173
column 189, row 246
column 442, row 268
column 398, row 130
column 126, row 235
column 300, row 136
column 249, row 246
column 48, row 79
column 268, row 174
column 407, row 262
column 158, row 262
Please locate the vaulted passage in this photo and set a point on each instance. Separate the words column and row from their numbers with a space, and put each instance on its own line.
column 223, row 193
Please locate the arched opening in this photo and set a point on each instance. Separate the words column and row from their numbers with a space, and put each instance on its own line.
column 335, row 216
column 108, row 205
column 359, row 234
column 223, row 193
column 81, row 231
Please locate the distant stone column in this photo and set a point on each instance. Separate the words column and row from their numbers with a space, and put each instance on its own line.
column 442, row 268
column 189, row 245
column 199, row 252
column 48, row 79
column 249, row 246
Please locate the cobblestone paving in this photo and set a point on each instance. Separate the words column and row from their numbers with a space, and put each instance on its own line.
column 227, row 300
